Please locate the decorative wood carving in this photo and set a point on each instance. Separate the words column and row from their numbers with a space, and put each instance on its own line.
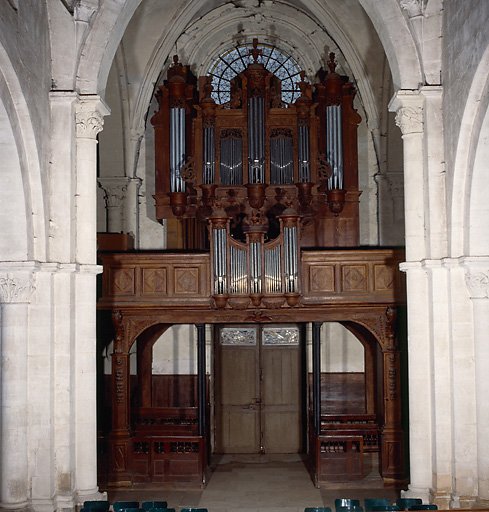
column 155, row 281
column 354, row 278
column 236, row 120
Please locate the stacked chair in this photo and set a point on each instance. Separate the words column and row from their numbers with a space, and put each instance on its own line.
column 374, row 505
column 347, row 505
column 133, row 506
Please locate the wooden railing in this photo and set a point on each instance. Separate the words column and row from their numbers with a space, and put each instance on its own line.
column 172, row 280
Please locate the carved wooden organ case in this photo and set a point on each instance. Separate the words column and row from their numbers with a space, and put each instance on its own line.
column 265, row 177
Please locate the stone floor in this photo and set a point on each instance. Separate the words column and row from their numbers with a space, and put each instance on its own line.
column 259, row 483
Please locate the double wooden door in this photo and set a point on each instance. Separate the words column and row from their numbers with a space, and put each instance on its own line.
column 259, row 385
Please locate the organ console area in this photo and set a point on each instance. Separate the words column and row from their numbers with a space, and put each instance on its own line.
column 265, row 192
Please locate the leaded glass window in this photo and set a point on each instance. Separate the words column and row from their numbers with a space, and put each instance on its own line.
column 232, row 62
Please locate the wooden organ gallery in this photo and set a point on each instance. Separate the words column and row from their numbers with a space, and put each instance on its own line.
column 266, row 192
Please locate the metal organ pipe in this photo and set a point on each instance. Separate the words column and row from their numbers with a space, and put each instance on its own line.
column 334, row 145
column 231, row 168
column 219, row 239
column 256, row 139
column 290, row 256
column 255, row 267
column 209, row 156
column 304, row 155
column 177, row 148
column 273, row 281
column 238, row 271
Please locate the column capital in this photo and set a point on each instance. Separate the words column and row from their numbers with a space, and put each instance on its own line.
column 477, row 276
column 413, row 8
column 89, row 117
column 114, row 188
column 17, row 284
column 409, row 108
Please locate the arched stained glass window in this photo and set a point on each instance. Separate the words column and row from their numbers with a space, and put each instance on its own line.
column 234, row 61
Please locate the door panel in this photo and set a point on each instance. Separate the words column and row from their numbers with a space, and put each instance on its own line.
column 237, row 413
column 281, row 391
column 258, row 390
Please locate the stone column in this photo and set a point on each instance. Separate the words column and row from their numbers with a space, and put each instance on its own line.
column 115, row 191
column 477, row 279
column 409, row 108
column 16, row 288
column 89, row 122
column 121, row 203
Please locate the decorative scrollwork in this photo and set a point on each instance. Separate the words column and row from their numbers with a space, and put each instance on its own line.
column 188, row 172
column 231, row 133
column 281, row 132
column 324, row 168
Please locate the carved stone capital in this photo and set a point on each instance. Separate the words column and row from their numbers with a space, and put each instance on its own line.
column 89, row 124
column 477, row 277
column 85, row 9
column 115, row 190
column 89, row 117
column 413, row 8
column 409, row 108
column 16, row 288
column 410, row 120
column 478, row 283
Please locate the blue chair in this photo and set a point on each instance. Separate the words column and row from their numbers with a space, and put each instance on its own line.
column 353, row 508
column 346, row 502
column 424, row 507
column 405, row 503
column 148, row 505
column 384, row 508
column 317, row 509
column 96, row 505
column 375, row 502
column 119, row 505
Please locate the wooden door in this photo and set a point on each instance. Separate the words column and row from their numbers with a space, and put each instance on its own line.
column 237, row 391
column 258, row 390
column 281, row 420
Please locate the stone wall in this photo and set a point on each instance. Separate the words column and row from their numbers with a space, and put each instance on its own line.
column 465, row 39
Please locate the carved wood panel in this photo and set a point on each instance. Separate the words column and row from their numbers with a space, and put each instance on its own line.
column 187, row 281
column 155, row 281
column 121, row 281
column 385, row 277
column 321, row 278
column 354, row 278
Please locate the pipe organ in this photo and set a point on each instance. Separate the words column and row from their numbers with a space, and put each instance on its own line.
column 255, row 268
column 257, row 157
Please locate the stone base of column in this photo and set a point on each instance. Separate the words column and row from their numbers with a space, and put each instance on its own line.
column 481, row 503
column 440, row 498
column 462, row 501
column 18, row 507
column 417, row 492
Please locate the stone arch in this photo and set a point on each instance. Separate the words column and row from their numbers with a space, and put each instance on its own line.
column 394, row 32
column 470, row 188
column 22, row 194
column 99, row 48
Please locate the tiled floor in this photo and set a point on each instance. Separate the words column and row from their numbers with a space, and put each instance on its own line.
column 259, row 483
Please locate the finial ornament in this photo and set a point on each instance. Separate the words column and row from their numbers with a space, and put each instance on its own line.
column 332, row 63
column 256, row 52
